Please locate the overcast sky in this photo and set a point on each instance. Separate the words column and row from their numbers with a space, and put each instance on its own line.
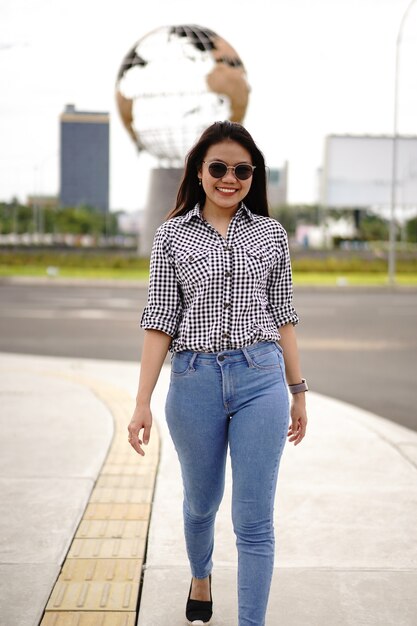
column 315, row 67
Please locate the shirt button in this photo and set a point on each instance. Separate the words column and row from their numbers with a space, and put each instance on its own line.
column 226, row 305
column 191, row 258
column 228, row 274
column 225, row 336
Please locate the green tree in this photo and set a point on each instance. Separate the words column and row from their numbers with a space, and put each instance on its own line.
column 81, row 220
column 411, row 230
column 290, row 215
column 372, row 228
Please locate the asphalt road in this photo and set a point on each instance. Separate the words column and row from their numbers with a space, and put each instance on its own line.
column 356, row 345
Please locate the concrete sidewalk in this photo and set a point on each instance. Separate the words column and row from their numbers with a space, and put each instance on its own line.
column 346, row 507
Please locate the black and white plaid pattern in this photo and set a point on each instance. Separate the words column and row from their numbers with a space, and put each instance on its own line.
column 212, row 294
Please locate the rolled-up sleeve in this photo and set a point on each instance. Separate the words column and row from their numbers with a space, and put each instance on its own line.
column 163, row 309
column 280, row 286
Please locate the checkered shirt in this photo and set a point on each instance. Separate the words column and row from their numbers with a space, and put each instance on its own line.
column 211, row 294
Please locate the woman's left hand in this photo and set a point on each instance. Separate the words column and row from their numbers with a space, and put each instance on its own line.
column 297, row 429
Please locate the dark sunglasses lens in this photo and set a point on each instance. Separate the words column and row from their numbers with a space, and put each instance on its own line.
column 243, row 172
column 217, row 169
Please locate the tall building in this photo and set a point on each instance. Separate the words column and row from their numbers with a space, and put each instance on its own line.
column 277, row 186
column 84, row 159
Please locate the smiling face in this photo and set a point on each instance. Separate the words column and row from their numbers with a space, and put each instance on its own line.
column 227, row 192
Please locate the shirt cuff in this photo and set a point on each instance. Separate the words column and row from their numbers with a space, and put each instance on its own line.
column 284, row 315
column 157, row 318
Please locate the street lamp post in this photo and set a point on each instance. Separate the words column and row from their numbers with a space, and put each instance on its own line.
column 392, row 228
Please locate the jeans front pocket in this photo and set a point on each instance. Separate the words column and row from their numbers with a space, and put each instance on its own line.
column 180, row 364
column 267, row 360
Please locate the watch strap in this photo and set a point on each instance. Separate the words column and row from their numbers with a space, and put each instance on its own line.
column 299, row 387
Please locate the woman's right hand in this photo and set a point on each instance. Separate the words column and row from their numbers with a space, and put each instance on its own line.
column 141, row 419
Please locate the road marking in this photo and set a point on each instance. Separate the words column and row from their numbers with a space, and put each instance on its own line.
column 312, row 311
column 411, row 310
column 86, row 314
column 352, row 344
column 102, row 302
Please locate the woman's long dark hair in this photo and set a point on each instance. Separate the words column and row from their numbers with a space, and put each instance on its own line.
column 190, row 192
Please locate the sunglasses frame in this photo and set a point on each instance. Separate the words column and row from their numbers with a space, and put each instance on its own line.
column 230, row 167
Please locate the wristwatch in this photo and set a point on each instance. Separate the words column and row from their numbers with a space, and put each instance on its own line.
column 299, row 387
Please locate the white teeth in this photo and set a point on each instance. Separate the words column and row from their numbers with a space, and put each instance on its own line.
column 226, row 190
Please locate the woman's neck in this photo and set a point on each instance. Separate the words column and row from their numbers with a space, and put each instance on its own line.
column 217, row 214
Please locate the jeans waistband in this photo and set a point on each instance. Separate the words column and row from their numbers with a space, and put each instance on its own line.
column 236, row 354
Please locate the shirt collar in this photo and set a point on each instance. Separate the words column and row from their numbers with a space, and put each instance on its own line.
column 243, row 210
column 196, row 212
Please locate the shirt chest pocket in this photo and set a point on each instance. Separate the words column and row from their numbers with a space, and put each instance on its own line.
column 259, row 261
column 193, row 266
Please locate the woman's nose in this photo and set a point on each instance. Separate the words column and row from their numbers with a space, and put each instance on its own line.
column 229, row 176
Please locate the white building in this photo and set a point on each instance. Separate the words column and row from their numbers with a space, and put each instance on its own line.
column 357, row 173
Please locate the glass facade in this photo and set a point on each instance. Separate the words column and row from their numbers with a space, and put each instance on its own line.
column 84, row 159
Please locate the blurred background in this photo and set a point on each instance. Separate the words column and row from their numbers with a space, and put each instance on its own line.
column 332, row 102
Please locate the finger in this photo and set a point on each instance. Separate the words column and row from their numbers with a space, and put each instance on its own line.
column 294, row 427
column 146, row 434
column 292, row 435
column 296, row 433
column 135, row 443
column 300, row 436
column 137, row 447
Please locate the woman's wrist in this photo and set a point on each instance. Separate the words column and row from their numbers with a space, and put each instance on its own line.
column 143, row 399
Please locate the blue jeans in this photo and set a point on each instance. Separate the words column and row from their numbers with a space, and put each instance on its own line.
column 235, row 398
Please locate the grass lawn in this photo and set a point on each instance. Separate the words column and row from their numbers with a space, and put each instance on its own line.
column 300, row 278
column 367, row 279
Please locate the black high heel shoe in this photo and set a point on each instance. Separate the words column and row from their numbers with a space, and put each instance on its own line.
column 199, row 611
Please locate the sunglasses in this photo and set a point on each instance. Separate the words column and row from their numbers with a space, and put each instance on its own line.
column 242, row 171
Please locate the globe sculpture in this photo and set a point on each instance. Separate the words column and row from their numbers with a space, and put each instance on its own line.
column 173, row 83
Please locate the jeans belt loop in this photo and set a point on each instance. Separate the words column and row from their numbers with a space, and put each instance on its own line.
column 248, row 357
column 193, row 358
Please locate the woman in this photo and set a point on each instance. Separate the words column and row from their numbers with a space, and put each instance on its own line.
column 220, row 299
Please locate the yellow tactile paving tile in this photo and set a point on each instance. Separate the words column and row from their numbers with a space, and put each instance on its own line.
column 93, row 596
column 112, row 528
column 126, row 481
column 112, row 469
column 117, row 511
column 93, row 618
column 121, row 458
column 100, row 579
column 107, row 548
column 116, row 570
column 119, row 455
column 119, row 495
